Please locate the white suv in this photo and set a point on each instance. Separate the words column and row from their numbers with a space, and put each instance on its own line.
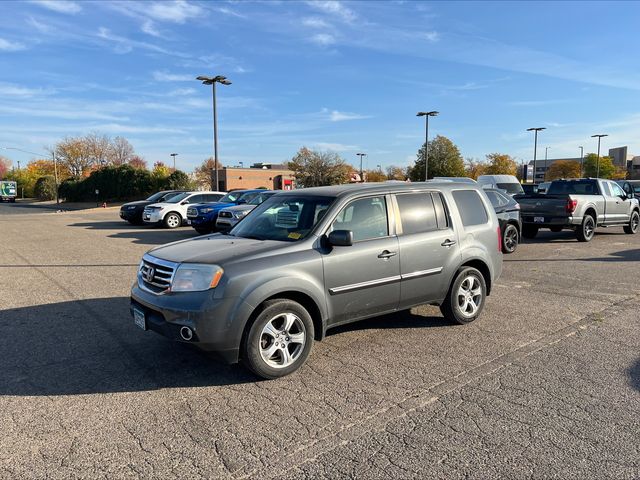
column 172, row 213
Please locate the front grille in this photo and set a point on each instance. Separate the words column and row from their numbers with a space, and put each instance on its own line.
column 225, row 215
column 192, row 212
column 156, row 274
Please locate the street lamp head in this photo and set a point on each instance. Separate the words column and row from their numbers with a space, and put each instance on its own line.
column 425, row 114
column 600, row 135
column 225, row 82
column 432, row 113
column 421, row 114
column 536, row 129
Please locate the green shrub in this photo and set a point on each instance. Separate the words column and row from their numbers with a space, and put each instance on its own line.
column 45, row 188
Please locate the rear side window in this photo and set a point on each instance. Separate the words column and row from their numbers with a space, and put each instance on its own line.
column 471, row 207
column 441, row 211
column 417, row 213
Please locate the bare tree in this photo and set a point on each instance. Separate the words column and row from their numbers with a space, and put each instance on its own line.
column 121, row 151
column 98, row 148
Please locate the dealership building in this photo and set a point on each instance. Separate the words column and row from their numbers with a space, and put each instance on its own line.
column 259, row 175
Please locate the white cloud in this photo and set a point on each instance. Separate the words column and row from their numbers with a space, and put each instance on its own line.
column 7, row 46
column 539, row 103
column 232, row 13
column 39, row 26
column 432, row 36
column 159, row 76
column 178, row 11
column 125, row 45
column 11, row 90
column 336, row 116
column 149, row 28
column 335, row 147
column 181, row 91
column 60, row 6
column 314, row 22
column 323, row 39
column 335, row 8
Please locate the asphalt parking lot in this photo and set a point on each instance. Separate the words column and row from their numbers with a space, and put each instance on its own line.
column 545, row 384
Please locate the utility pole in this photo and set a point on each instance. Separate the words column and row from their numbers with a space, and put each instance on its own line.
column 535, row 148
column 426, row 115
column 174, row 155
column 598, row 162
column 361, row 171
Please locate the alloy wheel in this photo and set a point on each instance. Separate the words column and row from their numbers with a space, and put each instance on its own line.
column 469, row 296
column 282, row 340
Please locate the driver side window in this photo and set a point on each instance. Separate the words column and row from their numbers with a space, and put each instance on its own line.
column 366, row 218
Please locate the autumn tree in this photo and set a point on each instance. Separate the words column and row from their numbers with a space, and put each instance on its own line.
column 563, row 169
column 444, row 160
column 375, row 176
column 138, row 162
column 607, row 169
column 120, row 151
column 74, row 153
column 501, row 164
column 5, row 165
column 396, row 173
column 205, row 171
column 314, row 169
column 474, row 168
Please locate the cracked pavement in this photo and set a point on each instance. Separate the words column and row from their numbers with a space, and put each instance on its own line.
column 546, row 384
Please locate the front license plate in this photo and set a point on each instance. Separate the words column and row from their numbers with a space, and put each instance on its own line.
column 538, row 219
column 138, row 318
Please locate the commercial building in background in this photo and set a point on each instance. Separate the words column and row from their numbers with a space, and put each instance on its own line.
column 619, row 156
column 266, row 175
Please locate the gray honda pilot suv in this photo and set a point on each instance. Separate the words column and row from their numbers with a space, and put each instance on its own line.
column 308, row 260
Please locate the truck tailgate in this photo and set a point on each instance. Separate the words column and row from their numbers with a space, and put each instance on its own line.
column 546, row 205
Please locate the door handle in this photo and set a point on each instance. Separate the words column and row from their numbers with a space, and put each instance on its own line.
column 387, row 254
column 448, row 243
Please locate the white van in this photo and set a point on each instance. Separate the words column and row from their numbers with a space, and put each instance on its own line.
column 508, row 183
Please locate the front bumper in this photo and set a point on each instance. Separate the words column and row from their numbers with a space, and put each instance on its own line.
column 226, row 224
column 217, row 323
column 152, row 217
column 131, row 215
column 203, row 221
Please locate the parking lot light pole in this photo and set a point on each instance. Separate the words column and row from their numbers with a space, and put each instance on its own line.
column 361, row 171
column 598, row 161
column 174, row 155
column 535, row 148
column 426, row 115
column 212, row 81
column 55, row 166
column 581, row 160
column 546, row 149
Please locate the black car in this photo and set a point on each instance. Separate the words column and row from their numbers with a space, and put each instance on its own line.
column 630, row 187
column 132, row 211
column 508, row 211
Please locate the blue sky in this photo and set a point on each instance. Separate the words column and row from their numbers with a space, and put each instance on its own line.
column 342, row 76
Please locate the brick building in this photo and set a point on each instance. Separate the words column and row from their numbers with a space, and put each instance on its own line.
column 271, row 176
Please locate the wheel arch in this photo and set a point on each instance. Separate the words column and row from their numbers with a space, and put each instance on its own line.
column 482, row 267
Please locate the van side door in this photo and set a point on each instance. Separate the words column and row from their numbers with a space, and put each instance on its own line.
column 429, row 249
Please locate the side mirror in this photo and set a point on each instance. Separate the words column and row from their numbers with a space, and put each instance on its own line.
column 341, row 238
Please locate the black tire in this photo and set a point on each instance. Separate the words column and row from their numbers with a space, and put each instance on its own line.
column 256, row 341
column 172, row 220
column 510, row 238
column 555, row 229
column 451, row 308
column 529, row 231
column 634, row 221
column 587, row 229
column 203, row 231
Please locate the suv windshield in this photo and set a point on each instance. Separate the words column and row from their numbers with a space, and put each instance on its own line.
column 178, row 198
column 510, row 187
column 261, row 197
column 288, row 218
column 577, row 187
column 157, row 196
column 230, row 197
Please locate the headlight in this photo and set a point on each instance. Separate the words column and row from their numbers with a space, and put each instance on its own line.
column 131, row 207
column 240, row 215
column 206, row 210
column 192, row 277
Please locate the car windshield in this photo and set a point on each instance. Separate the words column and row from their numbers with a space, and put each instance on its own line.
column 577, row 187
column 178, row 198
column 258, row 199
column 247, row 197
column 156, row 196
column 510, row 187
column 231, row 197
column 287, row 218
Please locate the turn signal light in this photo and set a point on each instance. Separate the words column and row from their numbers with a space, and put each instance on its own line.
column 571, row 205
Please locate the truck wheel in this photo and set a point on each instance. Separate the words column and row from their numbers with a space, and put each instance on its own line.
column 529, row 231
column 555, row 229
column 465, row 300
column 279, row 340
column 510, row 239
column 172, row 220
column 586, row 231
column 632, row 228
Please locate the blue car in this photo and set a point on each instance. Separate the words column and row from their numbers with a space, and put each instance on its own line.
column 203, row 217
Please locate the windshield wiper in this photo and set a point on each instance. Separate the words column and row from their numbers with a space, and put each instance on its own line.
column 253, row 237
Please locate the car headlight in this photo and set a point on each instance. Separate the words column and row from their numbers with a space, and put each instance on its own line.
column 192, row 277
column 206, row 210
column 131, row 207
column 240, row 215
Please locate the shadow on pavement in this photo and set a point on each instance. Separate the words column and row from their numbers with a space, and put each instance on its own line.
column 143, row 235
column 634, row 375
column 403, row 319
column 621, row 256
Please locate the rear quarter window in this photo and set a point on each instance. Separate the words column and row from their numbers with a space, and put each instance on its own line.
column 471, row 207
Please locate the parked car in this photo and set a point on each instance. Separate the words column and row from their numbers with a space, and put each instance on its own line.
column 508, row 212
column 313, row 259
column 630, row 187
column 581, row 205
column 230, row 216
column 132, row 211
column 172, row 212
column 508, row 183
column 203, row 217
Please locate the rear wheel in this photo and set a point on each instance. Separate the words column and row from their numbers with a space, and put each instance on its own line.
column 510, row 239
column 466, row 296
column 172, row 220
column 634, row 222
column 587, row 229
column 529, row 231
column 279, row 340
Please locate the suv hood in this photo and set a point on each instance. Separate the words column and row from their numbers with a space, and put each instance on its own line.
column 139, row 203
column 215, row 249
column 240, row 208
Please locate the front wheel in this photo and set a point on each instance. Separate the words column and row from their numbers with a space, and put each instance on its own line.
column 587, row 229
column 634, row 221
column 465, row 300
column 510, row 239
column 172, row 220
column 279, row 340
